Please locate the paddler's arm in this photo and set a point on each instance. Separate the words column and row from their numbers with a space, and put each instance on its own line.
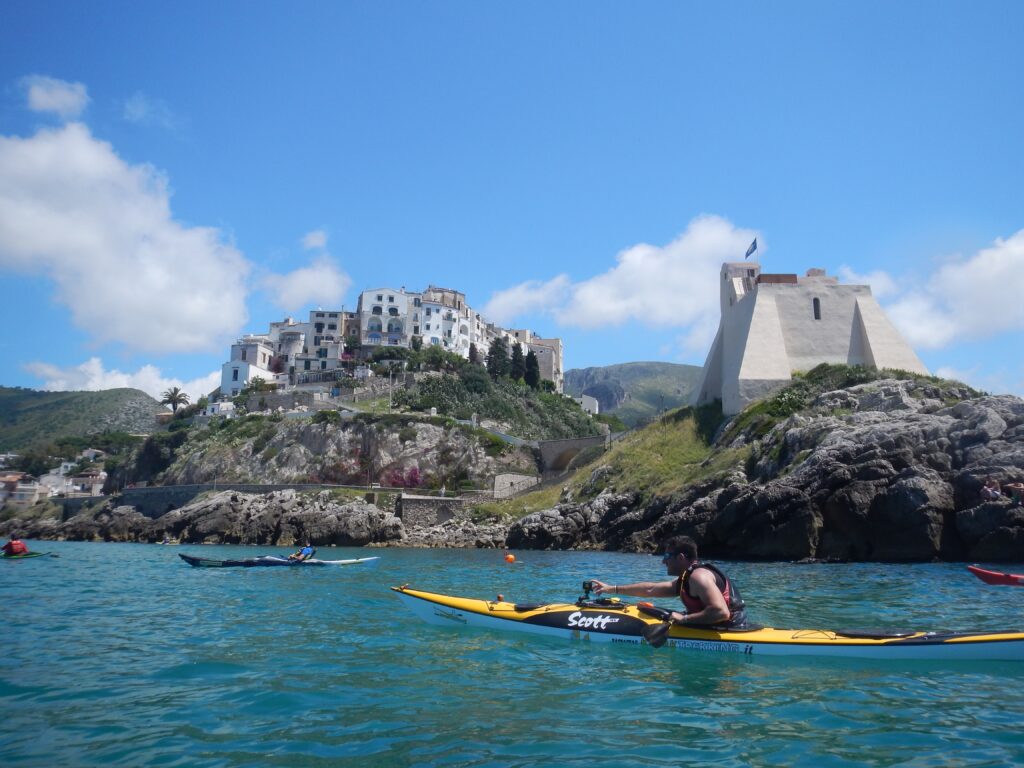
column 638, row 589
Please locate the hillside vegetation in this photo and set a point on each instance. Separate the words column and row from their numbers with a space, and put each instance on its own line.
column 29, row 418
column 692, row 446
column 635, row 392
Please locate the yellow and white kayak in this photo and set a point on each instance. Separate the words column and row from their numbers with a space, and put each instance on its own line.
column 612, row 621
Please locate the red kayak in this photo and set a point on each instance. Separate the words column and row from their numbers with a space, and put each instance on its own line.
column 995, row 577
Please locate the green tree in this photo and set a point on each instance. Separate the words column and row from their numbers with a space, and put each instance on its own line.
column 175, row 398
column 532, row 370
column 474, row 354
column 517, row 366
column 497, row 359
column 417, row 343
column 475, row 379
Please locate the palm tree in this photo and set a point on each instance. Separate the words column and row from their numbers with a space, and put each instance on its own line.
column 174, row 397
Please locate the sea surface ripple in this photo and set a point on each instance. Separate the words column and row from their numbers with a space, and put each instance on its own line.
column 121, row 654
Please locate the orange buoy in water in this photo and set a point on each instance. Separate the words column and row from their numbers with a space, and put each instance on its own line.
column 509, row 557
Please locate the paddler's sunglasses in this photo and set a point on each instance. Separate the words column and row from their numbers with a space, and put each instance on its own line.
column 668, row 556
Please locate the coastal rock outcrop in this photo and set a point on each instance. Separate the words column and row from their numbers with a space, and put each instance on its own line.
column 890, row 470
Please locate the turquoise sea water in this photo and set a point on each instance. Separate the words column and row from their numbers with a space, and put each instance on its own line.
column 121, row 654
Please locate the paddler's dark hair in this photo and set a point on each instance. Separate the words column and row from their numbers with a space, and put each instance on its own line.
column 681, row 544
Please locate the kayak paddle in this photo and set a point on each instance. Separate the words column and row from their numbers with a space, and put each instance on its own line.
column 657, row 634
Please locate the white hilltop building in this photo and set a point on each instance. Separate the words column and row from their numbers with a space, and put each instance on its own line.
column 294, row 353
column 773, row 325
column 442, row 318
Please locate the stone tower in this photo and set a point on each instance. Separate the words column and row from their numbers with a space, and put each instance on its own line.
column 773, row 325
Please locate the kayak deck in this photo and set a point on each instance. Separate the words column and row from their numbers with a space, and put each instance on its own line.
column 608, row 620
column 27, row 556
column 267, row 561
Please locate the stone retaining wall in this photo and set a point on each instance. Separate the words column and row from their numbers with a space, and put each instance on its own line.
column 424, row 511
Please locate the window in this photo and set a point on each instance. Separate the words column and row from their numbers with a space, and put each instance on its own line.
column 435, row 341
column 391, row 299
column 243, row 354
column 333, row 314
column 319, row 327
column 817, row 309
column 332, row 326
column 427, row 327
column 319, row 314
column 428, row 311
column 393, row 311
column 416, row 302
column 380, row 297
column 306, row 366
column 234, row 375
column 416, row 330
column 378, row 310
column 323, row 365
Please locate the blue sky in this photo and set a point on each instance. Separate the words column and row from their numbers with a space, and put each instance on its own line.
column 175, row 175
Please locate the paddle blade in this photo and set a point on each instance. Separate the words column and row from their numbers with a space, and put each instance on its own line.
column 657, row 634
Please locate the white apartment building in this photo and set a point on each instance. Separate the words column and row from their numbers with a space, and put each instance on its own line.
column 291, row 352
column 441, row 317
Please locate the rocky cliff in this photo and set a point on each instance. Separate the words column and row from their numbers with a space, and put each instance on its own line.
column 398, row 452
column 887, row 470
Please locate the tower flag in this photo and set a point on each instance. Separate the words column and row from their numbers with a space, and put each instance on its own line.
column 751, row 249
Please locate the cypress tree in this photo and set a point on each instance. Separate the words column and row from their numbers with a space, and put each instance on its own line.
column 497, row 359
column 532, row 368
column 517, row 367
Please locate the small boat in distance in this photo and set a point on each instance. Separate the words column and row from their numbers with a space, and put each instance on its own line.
column 997, row 577
column 268, row 561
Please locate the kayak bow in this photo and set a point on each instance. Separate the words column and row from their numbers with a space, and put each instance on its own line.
column 27, row 556
column 996, row 577
column 611, row 621
column 265, row 561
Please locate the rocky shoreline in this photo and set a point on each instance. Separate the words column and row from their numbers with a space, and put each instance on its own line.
column 885, row 471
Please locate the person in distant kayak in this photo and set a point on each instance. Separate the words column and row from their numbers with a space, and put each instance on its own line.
column 14, row 547
column 303, row 554
column 710, row 597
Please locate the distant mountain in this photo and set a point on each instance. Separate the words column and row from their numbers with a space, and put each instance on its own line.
column 28, row 417
column 635, row 392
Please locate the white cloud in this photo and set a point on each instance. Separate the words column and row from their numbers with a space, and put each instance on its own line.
column 102, row 230
column 322, row 283
column 315, row 240
column 966, row 299
column 670, row 286
column 91, row 376
column 525, row 298
column 47, row 94
column 881, row 282
column 146, row 110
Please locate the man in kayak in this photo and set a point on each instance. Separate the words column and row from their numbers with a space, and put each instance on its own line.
column 14, row 547
column 303, row 554
column 711, row 599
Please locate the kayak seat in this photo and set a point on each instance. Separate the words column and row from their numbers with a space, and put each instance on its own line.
column 525, row 607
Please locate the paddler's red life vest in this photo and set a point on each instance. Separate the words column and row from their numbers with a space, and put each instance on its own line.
column 729, row 592
column 15, row 547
